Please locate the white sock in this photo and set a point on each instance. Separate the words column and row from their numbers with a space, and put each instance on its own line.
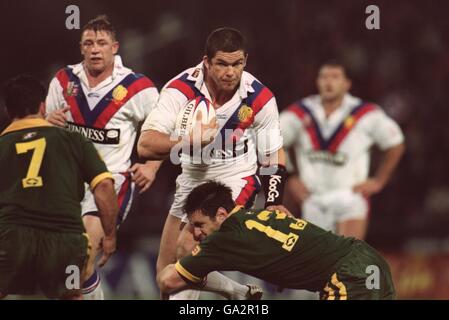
column 92, row 288
column 224, row 286
column 185, row 295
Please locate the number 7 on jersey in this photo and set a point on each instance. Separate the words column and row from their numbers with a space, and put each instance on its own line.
column 32, row 179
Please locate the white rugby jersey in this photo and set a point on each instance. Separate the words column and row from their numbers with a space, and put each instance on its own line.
column 248, row 120
column 108, row 114
column 334, row 153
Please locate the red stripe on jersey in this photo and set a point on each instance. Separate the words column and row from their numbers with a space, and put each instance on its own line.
column 122, row 193
column 63, row 79
column 183, row 88
column 310, row 128
column 137, row 86
column 346, row 128
column 261, row 100
column 247, row 191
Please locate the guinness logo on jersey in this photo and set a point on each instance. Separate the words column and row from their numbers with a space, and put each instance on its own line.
column 336, row 159
column 97, row 135
column 119, row 93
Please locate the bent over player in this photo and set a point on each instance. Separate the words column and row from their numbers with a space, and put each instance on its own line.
column 270, row 245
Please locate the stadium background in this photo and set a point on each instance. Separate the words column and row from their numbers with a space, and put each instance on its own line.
column 404, row 67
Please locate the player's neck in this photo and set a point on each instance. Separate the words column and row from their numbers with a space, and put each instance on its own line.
column 331, row 105
column 94, row 78
column 219, row 97
column 30, row 116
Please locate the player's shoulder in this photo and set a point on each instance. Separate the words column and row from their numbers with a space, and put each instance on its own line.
column 143, row 80
column 361, row 107
column 302, row 107
column 189, row 75
column 252, row 84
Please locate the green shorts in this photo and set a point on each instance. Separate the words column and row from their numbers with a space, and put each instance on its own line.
column 361, row 275
column 32, row 259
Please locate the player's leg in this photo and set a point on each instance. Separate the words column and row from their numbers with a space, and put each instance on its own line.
column 61, row 261
column 92, row 285
column 17, row 271
column 169, row 239
column 353, row 228
column 351, row 211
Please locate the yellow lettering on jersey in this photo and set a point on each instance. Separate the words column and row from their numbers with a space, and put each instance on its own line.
column 287, row 240
column 298, row 225
column 32, row 180
column 265, row 215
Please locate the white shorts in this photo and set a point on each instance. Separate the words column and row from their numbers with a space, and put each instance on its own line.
column 124, row 187
column 327, row 209
column 244, row 192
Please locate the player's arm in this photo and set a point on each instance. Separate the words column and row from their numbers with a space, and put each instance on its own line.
column 102, row 185
column 169, row 280
column 387, row 134
column 271, row 155
column 55, row 106
column 144, row 174
column 389, row 162
column 107, row 204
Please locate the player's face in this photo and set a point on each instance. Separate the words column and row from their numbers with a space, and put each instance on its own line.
column 225, row 69
column 332, row 83
column 98, row 49
column 203, row 225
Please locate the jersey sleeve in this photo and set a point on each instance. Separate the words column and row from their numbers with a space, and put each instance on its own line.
column 384, row 131
column 268, row 132
column 146, row 102
column 163, row 116
column 206, row 257
column 55, row 99
column 290, row 128
column 92, row 166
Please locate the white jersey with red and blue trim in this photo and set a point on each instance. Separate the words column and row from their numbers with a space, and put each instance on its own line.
column 248, row 124
column 333, row 153
column 108, row 114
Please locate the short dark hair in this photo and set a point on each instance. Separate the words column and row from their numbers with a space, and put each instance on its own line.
column 338, row 64
column 100, row 23
column 208, row 197
column 226, row 40
column 23, row 95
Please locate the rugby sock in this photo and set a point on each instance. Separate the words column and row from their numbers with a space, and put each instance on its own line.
column 185, row 295
column 92, row 288
column 224, row 286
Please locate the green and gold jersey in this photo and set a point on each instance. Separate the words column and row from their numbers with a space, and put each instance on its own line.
column 43, row 173
column 269, row 245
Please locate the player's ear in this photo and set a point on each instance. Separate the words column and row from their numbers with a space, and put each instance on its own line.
column 348, row 84
column 115, row 47
column 206, row 62
column 221, row 215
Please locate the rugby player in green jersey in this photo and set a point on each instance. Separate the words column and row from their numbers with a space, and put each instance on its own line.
column 273, row 246
column 42, row 237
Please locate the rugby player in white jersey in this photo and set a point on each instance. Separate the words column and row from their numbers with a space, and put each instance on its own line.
column 106, row 102
column 246, row 115
column 331, row 134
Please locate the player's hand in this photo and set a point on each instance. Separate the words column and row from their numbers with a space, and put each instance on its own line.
column 108, row 246
column 297, row 188
column 58, row 117
column 369, row 187
column 282, row 209
column 203, row 133
column 143, row 175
